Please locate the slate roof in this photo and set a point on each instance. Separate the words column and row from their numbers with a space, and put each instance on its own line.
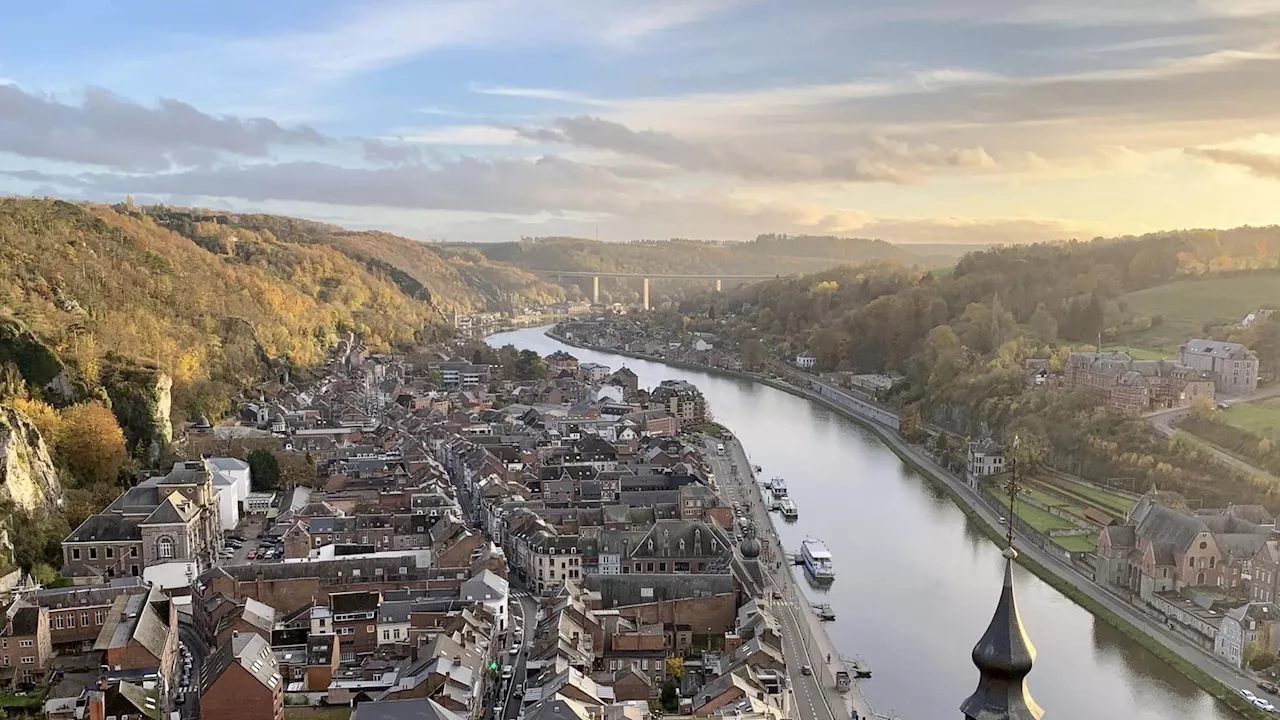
column 403, row 710
column 106, row 528
column 395, row 611
column 171, row 512
column 1169, row 530
column 25, row 619
column 353, row 602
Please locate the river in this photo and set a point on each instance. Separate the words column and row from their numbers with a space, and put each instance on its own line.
column 916, row 583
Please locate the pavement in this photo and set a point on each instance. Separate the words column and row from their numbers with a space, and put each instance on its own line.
column 805, row 641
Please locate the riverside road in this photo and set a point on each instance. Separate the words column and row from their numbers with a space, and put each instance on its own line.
column 916, row 580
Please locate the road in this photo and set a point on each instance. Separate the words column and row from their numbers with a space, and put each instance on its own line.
column 190, row 708
column 1162, row 422
column 804, row 642
column 523, row 608
column 1170, row 639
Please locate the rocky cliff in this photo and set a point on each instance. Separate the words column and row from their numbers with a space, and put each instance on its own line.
column 141, row 399
column 40, row 366
column 28, row 480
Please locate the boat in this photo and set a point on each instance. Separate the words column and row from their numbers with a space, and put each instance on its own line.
column 789, row 509
column 777, row 488
column 817, row 559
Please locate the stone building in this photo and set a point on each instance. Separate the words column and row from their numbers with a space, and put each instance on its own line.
column 1159, row 549
column 680, row 398
column 27, row 647
column 1136, row 386
column 1233, row 367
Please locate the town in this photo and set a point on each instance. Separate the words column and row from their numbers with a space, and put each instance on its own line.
column 1201, row 579
column 569, row 545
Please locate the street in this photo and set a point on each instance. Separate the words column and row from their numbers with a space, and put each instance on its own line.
column 814, row 695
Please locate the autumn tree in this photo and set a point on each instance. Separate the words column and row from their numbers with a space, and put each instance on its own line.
column 91, row 444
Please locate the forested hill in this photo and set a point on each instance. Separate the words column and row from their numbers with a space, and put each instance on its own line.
column 767, row 254
column 462, row 281
column 876, row 317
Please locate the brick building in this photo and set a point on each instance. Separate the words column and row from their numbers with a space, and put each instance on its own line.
column 243, row 681
column 1136, row 386
column 355, row 621
column 77, row 614
column 141, row 633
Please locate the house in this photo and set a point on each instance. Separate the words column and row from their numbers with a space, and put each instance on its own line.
column 1233, row 367
column 141, row 634
column 986, row 457
column 805, row 361
column 1265, row 579
column 491, row 590
column 1253, row 624
column 559, row 361
column 403, row 710
column 393, row 622
column 630, row 683
column 27, row 648
column 593, row 372
column 242, row 680
column 1136, row 386
column 121, row 700
column 627, row 379
column 355, row 618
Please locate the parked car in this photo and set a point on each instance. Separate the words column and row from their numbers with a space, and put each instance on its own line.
column 252, row 554
column 1264, row 704
column 1268, row 687
column 1248, row 695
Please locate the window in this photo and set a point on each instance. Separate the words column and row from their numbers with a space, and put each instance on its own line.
column 397, row 633
column 93, row 553
column 75, row 553
column 99, row 617
column 164, row 547
column 386, row 634
column 133, row 552
column 25, row 643
column 1212, row 561
column 644, row 664
column 111, row 553
column 1191, row 562
column 57, row 623
column 370, row 629
column 84, row 619
column 28, row 660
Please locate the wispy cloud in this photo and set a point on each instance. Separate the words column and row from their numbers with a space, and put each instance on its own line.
column 1263, row 165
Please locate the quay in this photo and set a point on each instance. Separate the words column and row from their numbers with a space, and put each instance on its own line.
column 831, row 692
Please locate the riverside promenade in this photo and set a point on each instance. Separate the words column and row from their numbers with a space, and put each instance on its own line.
column 805, row 636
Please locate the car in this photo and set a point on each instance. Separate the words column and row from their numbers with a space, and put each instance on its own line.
column 806, row 670
column 1248, row 695
column 1003, row 520
column 507, row 672
column 1264, row 704
column 252, row 554
column 1268, row 687
column 514, row 651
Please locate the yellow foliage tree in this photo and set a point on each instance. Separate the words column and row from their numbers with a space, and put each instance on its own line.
column 91, row 443
column 42, row 415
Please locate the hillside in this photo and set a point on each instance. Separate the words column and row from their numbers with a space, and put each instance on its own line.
column 97, row 286
column 1185, row 307
column 456, row 282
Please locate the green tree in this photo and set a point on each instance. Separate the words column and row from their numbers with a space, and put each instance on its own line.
column 670, row 696
column 1043, row 324
column 529, row 366
column 264, row 470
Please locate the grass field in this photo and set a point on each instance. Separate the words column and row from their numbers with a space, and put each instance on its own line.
column 1035, row 517
column 1189, row 304
column 1262, row 418
column 1103, row 500
column 1079, row 543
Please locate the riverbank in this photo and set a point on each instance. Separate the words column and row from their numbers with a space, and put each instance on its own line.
column 1215, row 678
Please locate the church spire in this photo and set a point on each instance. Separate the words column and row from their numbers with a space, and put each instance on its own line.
column 1004, row 655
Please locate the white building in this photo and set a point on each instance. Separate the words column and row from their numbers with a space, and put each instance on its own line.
column 393, row 622
column 806, row 361
column 231, row 481
column 594, row 372
column 1243, row 626
column 259, row 503
column 986, row 457
column 491, row 590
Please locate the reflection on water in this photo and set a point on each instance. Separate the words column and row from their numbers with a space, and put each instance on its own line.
column 915, row 582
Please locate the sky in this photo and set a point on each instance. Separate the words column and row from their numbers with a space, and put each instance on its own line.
column 487, row 120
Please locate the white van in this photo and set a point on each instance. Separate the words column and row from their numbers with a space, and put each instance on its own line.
column 720, row 448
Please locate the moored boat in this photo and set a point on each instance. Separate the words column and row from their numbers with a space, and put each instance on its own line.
column 817, row 559
column 789, row 509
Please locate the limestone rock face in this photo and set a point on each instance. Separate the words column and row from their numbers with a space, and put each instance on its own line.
column 27, row 475
column 141, row 399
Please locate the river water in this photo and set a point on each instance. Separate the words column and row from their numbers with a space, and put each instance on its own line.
column 916, row 583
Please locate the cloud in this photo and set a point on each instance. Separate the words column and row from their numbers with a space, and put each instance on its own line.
column 875, row 159
column 107, row 130
column 379, row 153
column 1261, row 164
column 549, row 184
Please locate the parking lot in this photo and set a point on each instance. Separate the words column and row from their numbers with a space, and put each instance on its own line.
column 245, row 541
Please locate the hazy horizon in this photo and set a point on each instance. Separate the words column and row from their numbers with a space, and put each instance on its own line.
column 917, row 123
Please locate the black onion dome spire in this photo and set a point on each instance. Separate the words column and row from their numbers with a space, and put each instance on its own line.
column 1004, row 657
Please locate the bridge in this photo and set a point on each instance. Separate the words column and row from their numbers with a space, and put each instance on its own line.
column 646, row 277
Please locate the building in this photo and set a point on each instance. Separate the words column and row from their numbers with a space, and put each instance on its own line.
column 355, row 621
column 986, row 457
column 805, row 361
column 77, row 613
column 121, row 700
column 593, row 372
column 166, row 519
column 1136, row 386
column 559, row 361
column 1158, row 550
column 26, row 648
column 258, row 503
column 403, row 710
column 140, row 636
column 680, row 398
column 1253, row 624
column 243, row 681
column 1233, row 367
